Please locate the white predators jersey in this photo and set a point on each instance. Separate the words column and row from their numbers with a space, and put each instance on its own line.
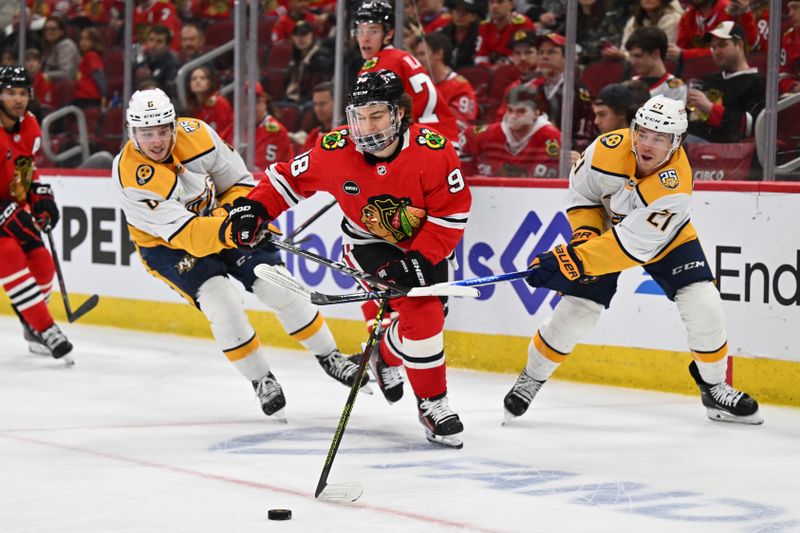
column 649, row 215
column 172, row 203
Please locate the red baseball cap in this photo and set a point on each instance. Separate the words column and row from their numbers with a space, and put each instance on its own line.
column 555, row 38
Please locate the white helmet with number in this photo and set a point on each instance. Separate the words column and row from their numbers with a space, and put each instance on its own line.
column 151, row 107
column 664, row 115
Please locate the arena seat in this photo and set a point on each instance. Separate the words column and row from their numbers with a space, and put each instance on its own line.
column 721, row 161
column 601, row 73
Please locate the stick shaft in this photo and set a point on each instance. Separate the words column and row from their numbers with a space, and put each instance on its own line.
column 59, row 274
column 351, row 399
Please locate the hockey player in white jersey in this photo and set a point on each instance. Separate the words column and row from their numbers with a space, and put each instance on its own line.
column 176, row 181
column 628, row 205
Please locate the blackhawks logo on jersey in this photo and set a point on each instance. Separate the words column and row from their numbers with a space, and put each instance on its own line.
column 23, row 176
column 392, row 219
column 551, row 147
column 369, row 63
column 431, row 139
column 334, row 140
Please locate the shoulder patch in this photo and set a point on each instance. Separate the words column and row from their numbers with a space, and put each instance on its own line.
column 584, row 95
column 271, row 127
column 480, row 129
column 334, row 140
column 144, row 173
column 674, row 83
column 370, row 63
column 431, row 139
column 518, row 19
column 611, row 141
column 669, row 178
column 189, row 125
column 551, row 147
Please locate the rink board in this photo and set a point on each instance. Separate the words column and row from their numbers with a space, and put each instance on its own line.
column 751, row 240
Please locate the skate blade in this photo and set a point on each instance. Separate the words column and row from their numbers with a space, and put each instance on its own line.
column 366, row 389
column 38, row 349
column 451, row 441
column 718, row 415
column 341, row 492
column 279, row 416
column 508, row 417
column 69, row 362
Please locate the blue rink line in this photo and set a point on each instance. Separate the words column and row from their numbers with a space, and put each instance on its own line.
column 635, row 498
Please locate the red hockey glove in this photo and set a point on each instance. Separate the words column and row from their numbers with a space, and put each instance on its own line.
column 249, row 223
column 413, row 270
column 43, row 205
column 17, row 223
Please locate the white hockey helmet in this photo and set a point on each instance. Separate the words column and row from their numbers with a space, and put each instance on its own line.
column 664, row 115
column 151, row 107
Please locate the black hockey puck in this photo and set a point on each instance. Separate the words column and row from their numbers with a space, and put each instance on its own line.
column 279, row 514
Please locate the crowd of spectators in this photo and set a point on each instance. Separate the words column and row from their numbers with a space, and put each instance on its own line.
column 497, row 64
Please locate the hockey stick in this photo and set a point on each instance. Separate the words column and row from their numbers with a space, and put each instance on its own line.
column 348, row 492
column 290, row 238
column 485, row 280
column 86, row 306
column 278, row 275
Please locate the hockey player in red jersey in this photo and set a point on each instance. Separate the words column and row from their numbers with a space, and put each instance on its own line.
column 405, row 206
column 374, row 28
column 524, row 144
column 26, row 208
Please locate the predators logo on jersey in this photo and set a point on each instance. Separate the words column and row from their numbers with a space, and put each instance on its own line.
column 333, row 140
column 431, row 139
column 611, row 141
column 392, row 219
column 144, row 173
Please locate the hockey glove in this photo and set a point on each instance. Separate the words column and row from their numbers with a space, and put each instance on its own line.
column 43, row 205
column 413, row 270
column 249, row 223
column 558, row 269
column 17, row 223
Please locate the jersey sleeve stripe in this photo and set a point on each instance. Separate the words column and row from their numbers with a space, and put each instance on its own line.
column 198, row 156
column 621, row 247
column 609, row 173
column 591, row 206
column 448, row 222
column 290, row 196
column 174, row 234
column 641, row 197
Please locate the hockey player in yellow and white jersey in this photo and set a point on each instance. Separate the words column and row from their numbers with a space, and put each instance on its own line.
column 628, row 205
column 176, row 181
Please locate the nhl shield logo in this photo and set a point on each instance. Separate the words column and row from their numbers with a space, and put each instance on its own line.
column 381, row 170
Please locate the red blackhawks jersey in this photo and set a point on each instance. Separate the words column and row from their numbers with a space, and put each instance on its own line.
column 154, row 12
column 429, row 108
column 492, row 41
column 416, row 200
column 492, row 151
column 272, row 142
column 18, row 147
column 693, row 27
column 790, row 59
column 460, row 96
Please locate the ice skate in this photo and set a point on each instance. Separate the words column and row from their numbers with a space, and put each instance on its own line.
column 35, row 344
column 724, row 403
column 389, row 378
column 57, row 344
column 520, row 396
column 271, row 397
column 442, row 424
column 343, row 370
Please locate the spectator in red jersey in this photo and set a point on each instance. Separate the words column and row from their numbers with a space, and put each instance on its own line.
column 298, row 10
column 211, row 9
column 790, row 52
column 60, row 55
column 465, row 21
column 158, row 61
column 204, row 100
column 524, row 144
column 312, row 63
column 42, row 89
column 90, row 90
column 193, row 39
column 322, row 104
column 436, row 52
column 433, row 15
column 704, row 15
column 494, row 34
column 149, row 13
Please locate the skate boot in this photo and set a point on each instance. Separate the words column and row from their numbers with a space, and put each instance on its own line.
column 389, row 378
column 343, row 370
column 520, row 396
column 442, row 424
column 33, row 339
column 55, row 341
column 271, row 397
column 724, row 403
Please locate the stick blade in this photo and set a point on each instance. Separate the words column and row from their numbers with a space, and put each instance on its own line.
column 278, row 275
column 84, row 308
column 341, row 492
column 445, row 289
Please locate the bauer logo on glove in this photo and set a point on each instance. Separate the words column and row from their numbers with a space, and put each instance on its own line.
column 558, row 269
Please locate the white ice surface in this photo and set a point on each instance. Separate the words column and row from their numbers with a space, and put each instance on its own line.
column 159, row 433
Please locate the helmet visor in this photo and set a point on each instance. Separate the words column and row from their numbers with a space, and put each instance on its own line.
column 373, row 126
